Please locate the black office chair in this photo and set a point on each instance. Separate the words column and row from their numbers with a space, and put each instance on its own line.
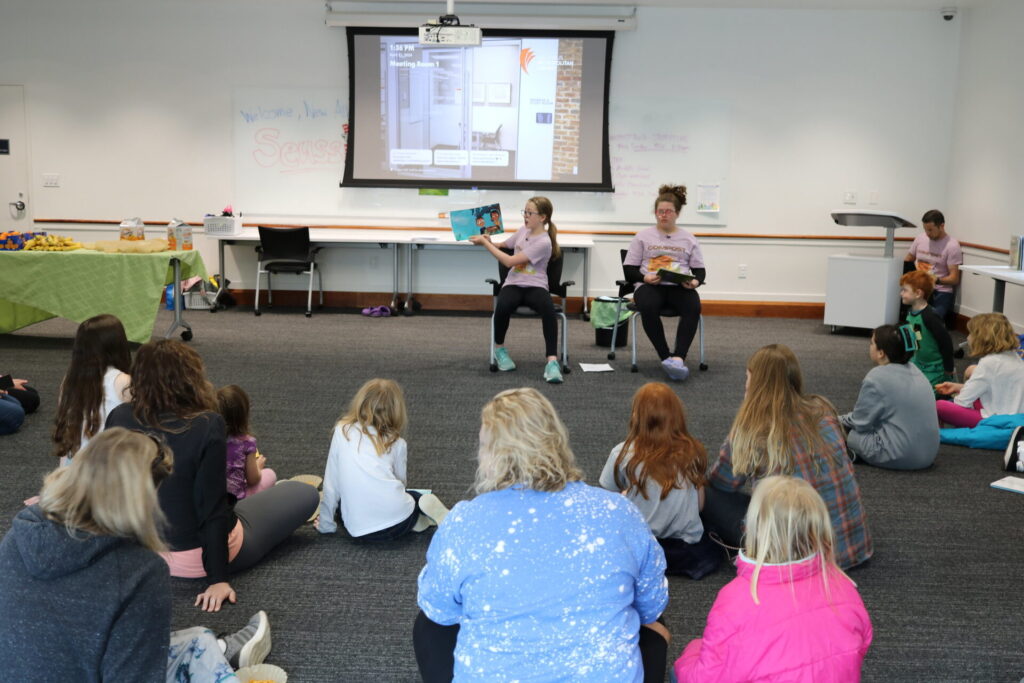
column 286, row 250
column 625, row 299
column 558, row 291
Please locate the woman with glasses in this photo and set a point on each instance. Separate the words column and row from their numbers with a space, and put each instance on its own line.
column 667, row 247
column 526, row 254
column 208, row 534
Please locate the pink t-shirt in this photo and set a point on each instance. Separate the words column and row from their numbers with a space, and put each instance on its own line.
column 936, row 256
column 533, row 273
column 652, row 249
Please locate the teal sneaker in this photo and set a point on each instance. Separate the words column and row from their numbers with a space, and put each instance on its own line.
column 553, row 372
column 504, row 361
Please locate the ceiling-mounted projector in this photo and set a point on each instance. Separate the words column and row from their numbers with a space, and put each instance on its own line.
column 448, row 31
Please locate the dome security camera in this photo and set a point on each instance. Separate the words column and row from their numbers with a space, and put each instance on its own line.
column 948, row 13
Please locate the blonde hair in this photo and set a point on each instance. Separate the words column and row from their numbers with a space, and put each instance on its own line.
column 523, row 442
column 775, row 415
column 991, row 333
column 545, row 208
column 110, row 488
column 379, row 404
column 787, row 521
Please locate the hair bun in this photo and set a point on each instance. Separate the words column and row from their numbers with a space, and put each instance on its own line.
column 677, row 190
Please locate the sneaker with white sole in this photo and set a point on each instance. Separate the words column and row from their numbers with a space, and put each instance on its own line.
column 432, row 507
column 675, row 368
column 1013, row 459
column 250, row 645
column 553, row 372
column 503, row 360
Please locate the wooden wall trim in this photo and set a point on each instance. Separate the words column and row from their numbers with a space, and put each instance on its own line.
column 483, row 302
column 613, row 233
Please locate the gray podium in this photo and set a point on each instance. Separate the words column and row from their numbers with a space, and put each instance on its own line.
column 863, row 291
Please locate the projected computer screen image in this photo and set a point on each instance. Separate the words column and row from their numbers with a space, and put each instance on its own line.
column 526, row 110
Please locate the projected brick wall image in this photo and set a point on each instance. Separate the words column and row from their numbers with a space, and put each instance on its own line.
column 567, row 109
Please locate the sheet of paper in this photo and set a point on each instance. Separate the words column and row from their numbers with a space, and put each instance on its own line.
column 1015, row 484
column 596, row 367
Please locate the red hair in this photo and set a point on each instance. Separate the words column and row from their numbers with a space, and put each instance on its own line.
column 920, row 280
column 658, row 445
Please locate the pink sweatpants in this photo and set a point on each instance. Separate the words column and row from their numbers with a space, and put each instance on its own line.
column 268, row 478
column 958, row 416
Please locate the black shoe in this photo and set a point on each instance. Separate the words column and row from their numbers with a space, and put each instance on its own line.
column 1012, row 458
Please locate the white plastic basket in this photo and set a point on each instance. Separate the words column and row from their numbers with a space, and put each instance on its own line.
column 199, row 301
column 222, row 225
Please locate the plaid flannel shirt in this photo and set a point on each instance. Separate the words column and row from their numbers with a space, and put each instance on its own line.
column 831, row 474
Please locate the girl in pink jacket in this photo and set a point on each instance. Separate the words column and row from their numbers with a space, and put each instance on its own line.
column 790, row 614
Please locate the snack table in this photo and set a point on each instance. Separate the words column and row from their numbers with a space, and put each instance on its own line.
column 77, row 285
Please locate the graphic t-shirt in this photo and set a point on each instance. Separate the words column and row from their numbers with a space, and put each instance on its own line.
column 533, row 273
column 936, row 256
column 652, row 249
column 238, row 450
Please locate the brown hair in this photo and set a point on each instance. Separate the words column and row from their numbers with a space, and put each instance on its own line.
column 168, row 379
column 672, row 193
column 233, row 405
column 546, row 208
column 658, row 445
column 918, row 279
column 991, row 333
column 100, row 343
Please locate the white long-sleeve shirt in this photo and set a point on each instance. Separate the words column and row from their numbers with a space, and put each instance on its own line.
column 999, row 382
column 369, row 488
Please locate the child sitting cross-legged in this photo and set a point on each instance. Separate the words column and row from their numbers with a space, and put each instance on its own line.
column 247, row 472
column 891, row 424
column 790, row 614
column 366, row 471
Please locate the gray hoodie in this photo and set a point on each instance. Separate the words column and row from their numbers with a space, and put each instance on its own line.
column 80, row 608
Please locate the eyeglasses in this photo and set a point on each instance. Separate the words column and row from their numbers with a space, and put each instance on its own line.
column 526, row 213
column 664, row 212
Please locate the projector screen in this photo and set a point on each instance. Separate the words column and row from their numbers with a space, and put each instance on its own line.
column 525, row 110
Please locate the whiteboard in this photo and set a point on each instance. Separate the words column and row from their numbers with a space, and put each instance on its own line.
column 289, row 147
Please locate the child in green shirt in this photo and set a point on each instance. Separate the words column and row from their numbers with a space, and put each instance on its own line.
column 934, row 356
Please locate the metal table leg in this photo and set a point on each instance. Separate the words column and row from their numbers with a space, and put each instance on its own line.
column 586, row 282
column 410, row 255
column 394, row 272
column 998, row 296
column 178, row 320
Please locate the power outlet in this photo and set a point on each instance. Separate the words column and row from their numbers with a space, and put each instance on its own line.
column 51, row 180
column 741, row 271
column 850, row 197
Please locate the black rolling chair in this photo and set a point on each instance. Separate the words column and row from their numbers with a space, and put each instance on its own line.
column 558, row 291
column 625, row 299
column 286, row 250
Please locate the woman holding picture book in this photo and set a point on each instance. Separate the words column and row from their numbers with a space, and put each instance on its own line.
column 531, row 247
column 666, row 266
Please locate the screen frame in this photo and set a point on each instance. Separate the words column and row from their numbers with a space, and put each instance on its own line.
column 605, row 185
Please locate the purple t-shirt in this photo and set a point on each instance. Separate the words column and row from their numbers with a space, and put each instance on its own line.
column 652, row 250
column 936, row 256
column 239, row 448
column 533, row 273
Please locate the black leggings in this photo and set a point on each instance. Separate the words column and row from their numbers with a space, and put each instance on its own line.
column 512, row 297
column 651, row 300
column 271, row 516
column 723, row 514
column 434, row 645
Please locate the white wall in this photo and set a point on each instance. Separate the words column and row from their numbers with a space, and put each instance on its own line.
column 986, row 171
column 131, row 102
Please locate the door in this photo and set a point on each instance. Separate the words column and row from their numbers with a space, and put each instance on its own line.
column 14, row 209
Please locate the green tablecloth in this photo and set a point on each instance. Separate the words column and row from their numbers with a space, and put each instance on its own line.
column 38, row 285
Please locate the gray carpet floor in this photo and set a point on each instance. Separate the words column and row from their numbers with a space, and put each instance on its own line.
column 948, row 551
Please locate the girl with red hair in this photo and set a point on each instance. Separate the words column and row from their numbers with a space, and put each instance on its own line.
column 660, row 468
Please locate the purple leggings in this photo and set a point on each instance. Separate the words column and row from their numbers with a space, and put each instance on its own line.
column 958, row 416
